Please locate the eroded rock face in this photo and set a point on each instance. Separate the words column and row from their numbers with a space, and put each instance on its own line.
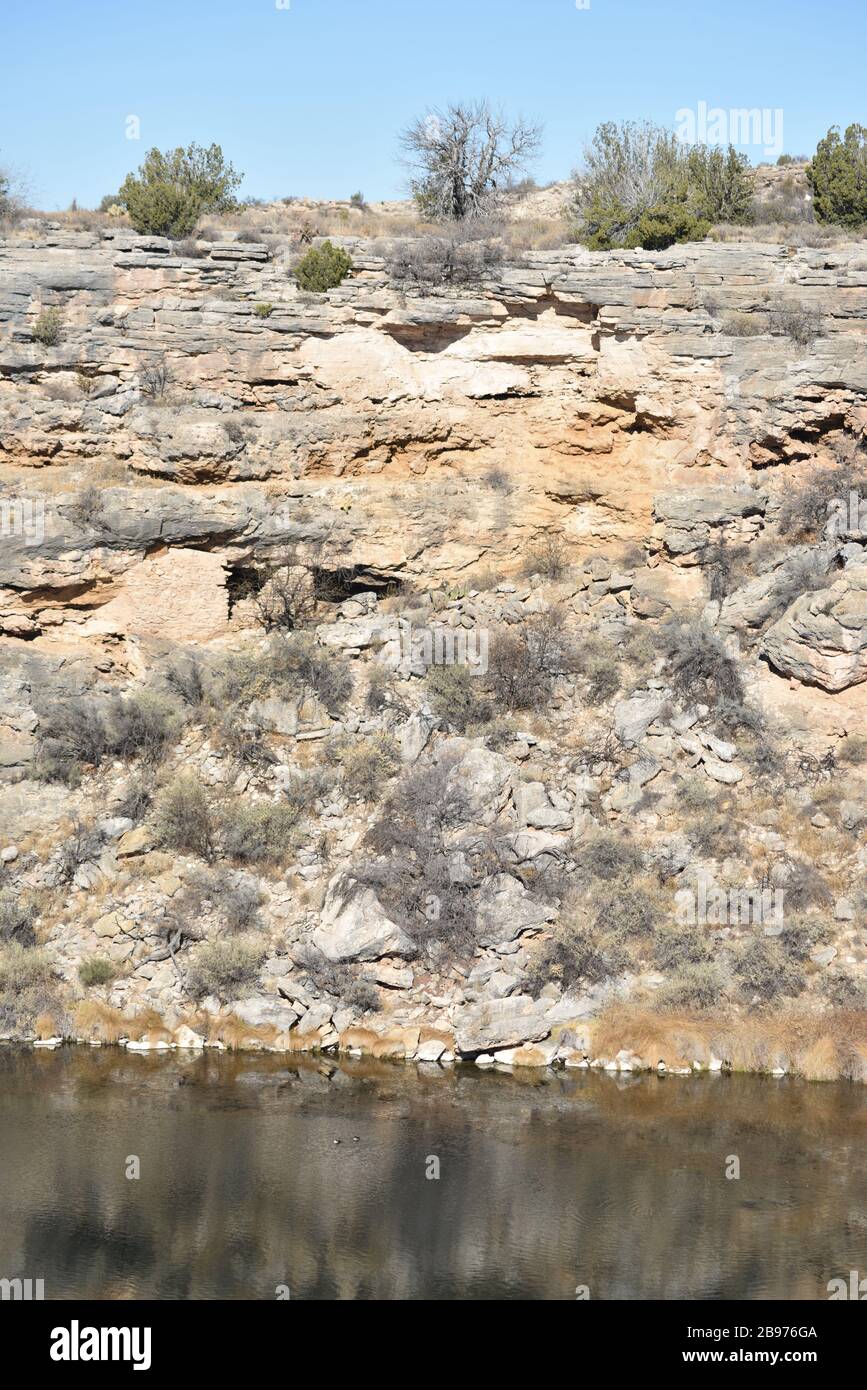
column 179, row 595
column 822, row 639
column 409, row 454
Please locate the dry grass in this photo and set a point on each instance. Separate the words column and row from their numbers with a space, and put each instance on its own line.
column 96, row 1020
column 816, row 1047
column 235, row 1034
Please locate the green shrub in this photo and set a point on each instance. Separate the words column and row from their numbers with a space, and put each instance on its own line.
column 46, row 329
column 257, row 833
column 183, row 819
column 96, row 970
column 224, row 968
column 721, row 184
column 641, row 186
column 837, row 176
column 323, row 268
column 263, row 311
column 634, row 189
column 171, row 191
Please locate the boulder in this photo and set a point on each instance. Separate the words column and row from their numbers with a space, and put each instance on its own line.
column 353, row 924
column 484, row 780
column 505, row 909
column 822, row 638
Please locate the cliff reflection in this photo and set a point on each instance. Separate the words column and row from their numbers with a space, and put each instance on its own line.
column 545, row 1183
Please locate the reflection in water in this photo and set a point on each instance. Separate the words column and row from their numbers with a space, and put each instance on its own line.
column 547, row 1182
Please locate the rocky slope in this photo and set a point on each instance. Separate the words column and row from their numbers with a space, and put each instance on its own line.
column 613, row 477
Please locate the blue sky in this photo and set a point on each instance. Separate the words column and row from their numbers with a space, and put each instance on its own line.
column 309, row 99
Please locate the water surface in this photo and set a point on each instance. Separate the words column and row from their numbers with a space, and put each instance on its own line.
column 547, row 1182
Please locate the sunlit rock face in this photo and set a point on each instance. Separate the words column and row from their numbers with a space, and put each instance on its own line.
column 584, row 453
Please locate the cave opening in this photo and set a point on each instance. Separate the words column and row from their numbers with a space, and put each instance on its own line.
column 347, row 581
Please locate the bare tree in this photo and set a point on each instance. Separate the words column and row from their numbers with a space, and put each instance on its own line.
column 465, row 157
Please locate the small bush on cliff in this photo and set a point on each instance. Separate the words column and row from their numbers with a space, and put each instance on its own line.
column 547, row 558
column 805, row 511
column 17, row 919
column 837, row 176
column 171, row 191
column 526, row 659
column 698, row 665
column 796, row 322
column 578, row 955
column 323, row 268
column 96, row 970
column 226, row 969
column 72, row 735
column 260, row 833
column 22, row 969
column 744, row 325
column 764, row 969
column 367, row 766
column 433, row 262
column 183, row 818
column 455, row 697
column 607, row 855
column 675, row 947
column 27, row 988
column 142, row 725
column 46, row 329
column 696, row 985
column 412, row 875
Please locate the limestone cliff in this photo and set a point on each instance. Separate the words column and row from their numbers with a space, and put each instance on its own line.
column 613, row 446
